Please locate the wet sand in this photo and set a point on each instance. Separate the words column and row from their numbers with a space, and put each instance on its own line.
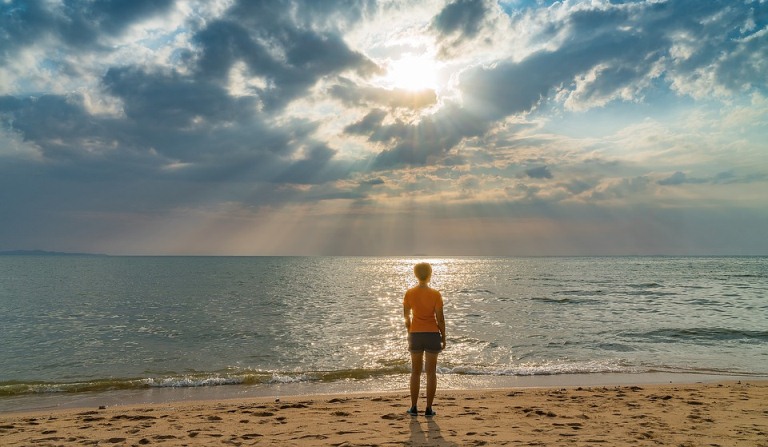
column 687, row 415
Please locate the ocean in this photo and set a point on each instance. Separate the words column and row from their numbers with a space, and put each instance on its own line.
column 94, row 324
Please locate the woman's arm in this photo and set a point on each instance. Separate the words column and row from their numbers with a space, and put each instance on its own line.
column 441, row 324
column 407, row 316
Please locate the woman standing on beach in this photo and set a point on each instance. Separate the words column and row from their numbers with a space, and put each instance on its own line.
column 423, row 311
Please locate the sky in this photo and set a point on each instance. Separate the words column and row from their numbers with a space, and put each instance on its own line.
column 384, row 128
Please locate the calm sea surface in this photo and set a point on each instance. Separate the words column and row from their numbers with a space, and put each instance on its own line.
column 71, row 324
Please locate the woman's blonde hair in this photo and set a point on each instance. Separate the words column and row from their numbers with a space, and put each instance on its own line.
column 423, row 271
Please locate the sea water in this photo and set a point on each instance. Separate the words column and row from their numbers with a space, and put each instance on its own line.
column 87, row 323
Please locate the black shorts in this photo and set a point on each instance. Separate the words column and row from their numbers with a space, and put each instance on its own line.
column 425, row 341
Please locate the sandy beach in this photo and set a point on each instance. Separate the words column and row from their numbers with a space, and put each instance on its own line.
column 702, row 414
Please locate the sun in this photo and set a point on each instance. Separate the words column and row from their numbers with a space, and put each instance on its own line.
column 412, row 72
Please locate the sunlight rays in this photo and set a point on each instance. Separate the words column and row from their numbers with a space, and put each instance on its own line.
column 412, row 72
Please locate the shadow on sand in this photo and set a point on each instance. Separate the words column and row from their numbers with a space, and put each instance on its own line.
column 426, row 432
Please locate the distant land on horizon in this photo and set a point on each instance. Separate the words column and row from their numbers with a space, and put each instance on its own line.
column 419, row 255
column 44, row 253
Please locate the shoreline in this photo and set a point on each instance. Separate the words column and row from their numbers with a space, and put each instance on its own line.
column 722, row 412
column 389, row 384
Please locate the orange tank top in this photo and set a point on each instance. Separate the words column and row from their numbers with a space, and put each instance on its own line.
column 424, row 302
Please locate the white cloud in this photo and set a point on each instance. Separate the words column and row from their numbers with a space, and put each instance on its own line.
column 13, row 146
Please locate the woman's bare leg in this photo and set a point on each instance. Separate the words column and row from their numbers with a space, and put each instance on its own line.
column 417, row 362
column 431, row 369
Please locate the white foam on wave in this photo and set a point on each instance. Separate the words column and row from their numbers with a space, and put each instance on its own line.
column 283, row 378
column 543, row 369
column 188, row 381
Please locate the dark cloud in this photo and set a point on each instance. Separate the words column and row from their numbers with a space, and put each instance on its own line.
column 577, row 186
column 169, row 100
column 729, row 177
column 600, row 39
column 517, row 87
column 315, row 167
column 461, row 22
column 373, row 182
column 427, row 142
column 79, row 24
column 289, row 58
column 58, row 125
column 368, row 125
column 160, row 131
column 678, row 178
column 156, row 132
column 539, row 172
column 461, row 16
column 224, row 42
column 335, row 15
column 21, row 24
column 114, row 16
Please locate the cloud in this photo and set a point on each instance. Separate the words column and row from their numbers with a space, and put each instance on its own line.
column 369, row 125
column 622, row 188
column 578, row 186
column 516, row 87
column 427, row 142
column 727, row 178
column 539, row 172
column 461, row 16
column 591, row 65
column 289, row 58
column 78, row 25
column 352, row 94
column 678, row 178
column 373, row 182
column 467, row 26
column 171, row 100
column 185, row 117
column 171, row 129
